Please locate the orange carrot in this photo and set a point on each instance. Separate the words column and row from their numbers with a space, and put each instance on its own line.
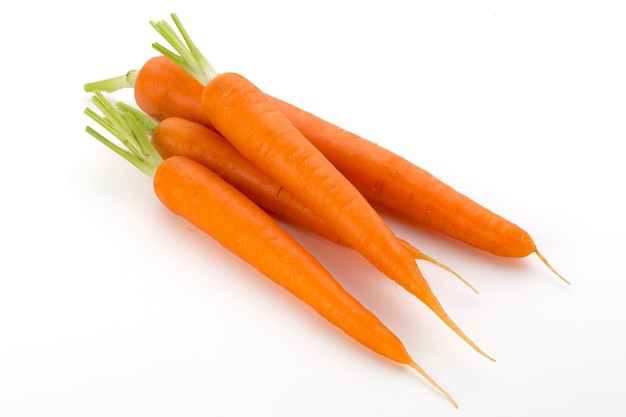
column 175, row 136
column 408, row 189
column 194, row 192
column 261, row 132
column 391, row 180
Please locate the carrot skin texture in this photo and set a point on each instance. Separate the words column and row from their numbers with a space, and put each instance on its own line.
column 199, row 195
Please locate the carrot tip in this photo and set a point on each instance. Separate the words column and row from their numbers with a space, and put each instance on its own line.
column 446, row 319
column 417, row 254
column 472, row 344
column 423, row 373
column 450, row 270
column 431, row 302
column 546, row 263
column 477, row 349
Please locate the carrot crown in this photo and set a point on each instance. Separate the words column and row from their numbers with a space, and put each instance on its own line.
column 187, row 55
column 131, row 127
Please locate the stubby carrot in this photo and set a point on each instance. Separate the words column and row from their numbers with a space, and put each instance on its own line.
column 194, row 192
column 260, row 131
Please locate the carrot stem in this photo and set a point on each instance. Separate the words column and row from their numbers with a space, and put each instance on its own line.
column 546, row 263
column 147, row 122
column 189, row 56
column 113, row 84
column 139, row 150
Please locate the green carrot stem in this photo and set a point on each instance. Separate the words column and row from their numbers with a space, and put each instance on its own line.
column 113, row 84
column 188, row 56
column 131, row 133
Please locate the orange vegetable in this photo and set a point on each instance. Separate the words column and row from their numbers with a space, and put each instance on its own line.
column 191, row 190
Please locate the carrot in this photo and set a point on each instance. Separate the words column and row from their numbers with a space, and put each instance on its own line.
column 177, row 136
column 393, row 181
column 163, row 89
column 196, row 193
column 260, row 131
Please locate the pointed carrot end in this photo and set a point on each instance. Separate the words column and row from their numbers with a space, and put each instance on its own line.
column 436, row 307
column 476, row 348
column 546, row 263
column 425, row 294
column 452, row 271
column 418, row 254
column 438, row 387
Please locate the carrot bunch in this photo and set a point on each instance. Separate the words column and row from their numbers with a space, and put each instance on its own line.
column 230, row 158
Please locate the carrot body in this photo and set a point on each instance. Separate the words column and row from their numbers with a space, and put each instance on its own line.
column 199, row 195
column 391, row 180
column 207, row 201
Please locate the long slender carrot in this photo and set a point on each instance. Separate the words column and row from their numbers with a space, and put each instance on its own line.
column 389, row 179
column 261, row 132
column 163, row 89
column 176, row 136
column 194, row 192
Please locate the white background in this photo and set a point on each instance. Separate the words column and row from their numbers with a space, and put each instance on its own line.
column 112, row 306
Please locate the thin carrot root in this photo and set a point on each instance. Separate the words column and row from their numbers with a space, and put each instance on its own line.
column 433, row 383
column 427, row 258
column 546, row 263
column 436, row 307
column 458, row 331
column 417, row 254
